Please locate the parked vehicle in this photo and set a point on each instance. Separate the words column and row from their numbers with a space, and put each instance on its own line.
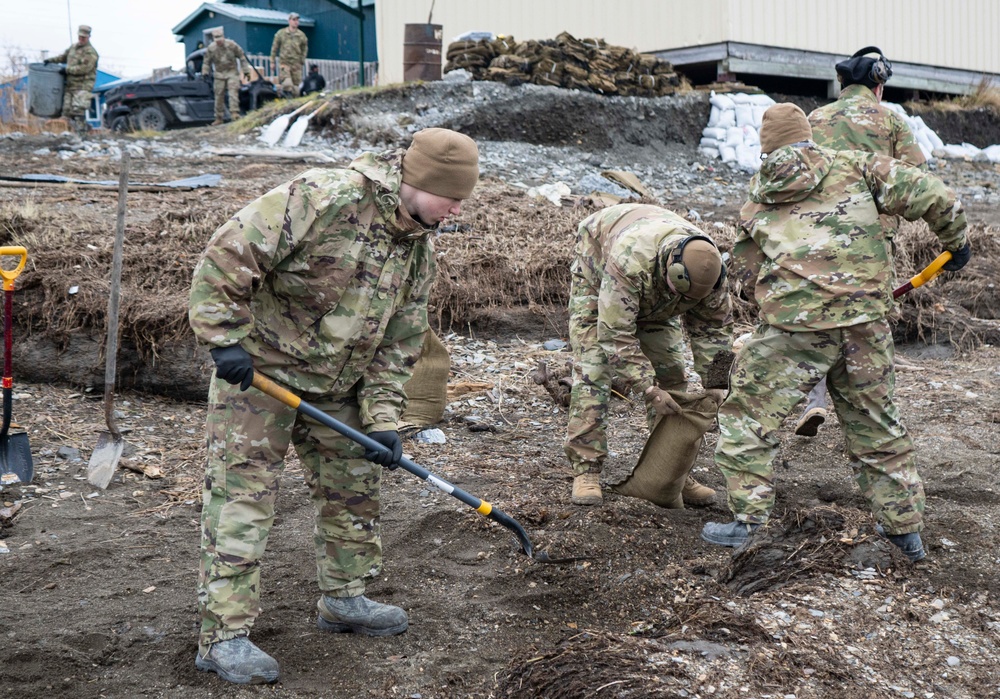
column 176, row 101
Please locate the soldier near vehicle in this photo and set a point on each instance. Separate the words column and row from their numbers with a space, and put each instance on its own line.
column 81, row 74
column 291, row 46
column 638, row 272
column 226, row 60
column 321, row 284
column 314, row 81
column 813, row 254
column 858, row 121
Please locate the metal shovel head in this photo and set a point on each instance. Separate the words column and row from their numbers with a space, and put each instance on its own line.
column 15, row 459
column 104, row 460
column 272, row 134
column 295, row 134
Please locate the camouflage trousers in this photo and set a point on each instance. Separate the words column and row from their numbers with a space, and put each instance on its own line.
column 248, row 437
column 586, row 443
column 773, row 372
column 290, row 77
column 222, row 84
column 75, row 102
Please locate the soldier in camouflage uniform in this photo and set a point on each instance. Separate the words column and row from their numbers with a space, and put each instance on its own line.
column 81, row 73
column 813, row 254
column 224, row 56
column 291, row 46
column 637, row 271
column 858, row 121
column 322, row 285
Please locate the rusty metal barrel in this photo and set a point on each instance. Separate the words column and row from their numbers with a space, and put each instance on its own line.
column 422, row 52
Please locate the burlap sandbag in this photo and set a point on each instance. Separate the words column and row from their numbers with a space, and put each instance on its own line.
column 670, row 452
column 427, row 389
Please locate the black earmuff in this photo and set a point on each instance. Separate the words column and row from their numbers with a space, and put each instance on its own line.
column 881, row 69
column 678, row 273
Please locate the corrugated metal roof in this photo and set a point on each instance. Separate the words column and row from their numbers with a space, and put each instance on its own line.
column 245, row 14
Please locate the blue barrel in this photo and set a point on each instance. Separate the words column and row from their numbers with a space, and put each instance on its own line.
column 45, row 89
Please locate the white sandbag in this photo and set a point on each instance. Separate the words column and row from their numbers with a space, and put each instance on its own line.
column 992, row 153
column 758, row 114
column 740, row 98
column 751, row 137
column 713, row 117
column 722, row 101
column 964, row 150
column 748, row 158
column 716, row 133
column 709, row 143
column 924, row 141
column 928, row 153
column 710, row 153
column 727, row 118
column 935, row 140
column 761, row 101
column 728, row 154
column 734, row 136
column 744, row 115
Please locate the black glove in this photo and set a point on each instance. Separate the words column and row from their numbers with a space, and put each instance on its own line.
column 234, row 365
column 47, row 61
column 389, row 439
column 62, row 70
column 959, row 259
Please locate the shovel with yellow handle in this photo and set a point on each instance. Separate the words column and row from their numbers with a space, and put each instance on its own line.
column 279, row 393
column 15, row 453
column 926, row 274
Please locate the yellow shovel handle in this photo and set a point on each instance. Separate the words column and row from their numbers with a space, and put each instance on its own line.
column 9, row 275
column 931, row 270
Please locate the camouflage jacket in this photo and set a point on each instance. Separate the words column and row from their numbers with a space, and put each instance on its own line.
column 324, row 281
column 224, row 58
column 811, row 248
column 290, row 45
column 857, row 121
column 81, row 66
column 629, row 271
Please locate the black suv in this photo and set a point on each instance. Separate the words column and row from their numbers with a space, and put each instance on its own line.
column 176, row 101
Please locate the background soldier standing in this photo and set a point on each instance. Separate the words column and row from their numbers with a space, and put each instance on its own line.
column 321, row 284
column 858, row 121
column 638, row 270
column 224, row 56
column 815, row 258
column 291, row 46
column 81, row 73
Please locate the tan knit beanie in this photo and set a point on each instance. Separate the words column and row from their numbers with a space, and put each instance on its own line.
column 782, row 125
column 704, row 265
column 442, row 162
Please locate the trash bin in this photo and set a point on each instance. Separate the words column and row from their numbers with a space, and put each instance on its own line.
column 422, row 52
column 45, row 89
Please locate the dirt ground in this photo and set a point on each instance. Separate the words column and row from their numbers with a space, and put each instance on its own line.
column 98, row 593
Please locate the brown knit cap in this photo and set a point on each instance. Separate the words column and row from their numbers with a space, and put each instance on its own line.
column 704, row 265
column 442, row 162
column 782, row 125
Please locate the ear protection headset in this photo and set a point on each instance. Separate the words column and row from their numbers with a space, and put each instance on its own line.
column 677, row 272
column 881, row 69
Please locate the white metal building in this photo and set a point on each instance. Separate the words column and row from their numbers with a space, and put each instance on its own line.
column 958, row 35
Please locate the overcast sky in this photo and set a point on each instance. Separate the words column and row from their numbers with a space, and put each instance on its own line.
column 132, row 36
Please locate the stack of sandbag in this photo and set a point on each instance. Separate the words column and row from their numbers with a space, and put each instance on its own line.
column 583, row 64
column 733, row 131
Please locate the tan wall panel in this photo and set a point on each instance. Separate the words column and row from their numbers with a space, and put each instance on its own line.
column 948, row 33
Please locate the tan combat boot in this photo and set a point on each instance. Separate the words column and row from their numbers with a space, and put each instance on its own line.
column 217, row 122
column 697, row 495
column 587, row 489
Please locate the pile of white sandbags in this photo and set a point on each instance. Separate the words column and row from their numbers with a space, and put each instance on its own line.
column 733, row 131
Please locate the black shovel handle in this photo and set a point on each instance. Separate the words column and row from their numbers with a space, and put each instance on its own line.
column 265, row 385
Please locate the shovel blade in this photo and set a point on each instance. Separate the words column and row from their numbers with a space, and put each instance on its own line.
column 104, row 460
column 15, row 459
column 272, row 134
column 294, row 136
